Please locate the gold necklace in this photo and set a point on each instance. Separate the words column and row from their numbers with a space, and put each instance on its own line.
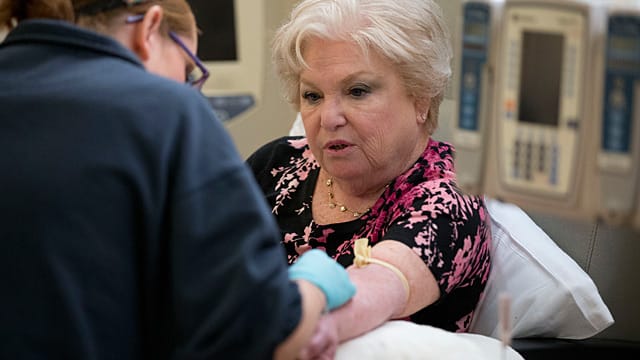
column 343, row 208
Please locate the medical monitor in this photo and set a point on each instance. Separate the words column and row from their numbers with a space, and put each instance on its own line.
column 217, row 33
column 232, row 46
column 235, row 45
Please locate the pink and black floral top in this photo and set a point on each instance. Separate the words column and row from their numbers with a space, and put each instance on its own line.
column 422, row 208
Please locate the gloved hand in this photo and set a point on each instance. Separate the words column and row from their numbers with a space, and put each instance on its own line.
column 319, row 269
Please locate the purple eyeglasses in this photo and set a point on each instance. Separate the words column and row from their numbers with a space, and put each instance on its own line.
column 198, row 76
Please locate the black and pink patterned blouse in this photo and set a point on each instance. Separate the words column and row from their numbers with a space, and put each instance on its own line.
column 422, row 208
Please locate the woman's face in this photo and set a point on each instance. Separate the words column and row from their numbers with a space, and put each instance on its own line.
column 360, row 122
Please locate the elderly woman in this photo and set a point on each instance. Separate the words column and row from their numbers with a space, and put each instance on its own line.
column 367, row 77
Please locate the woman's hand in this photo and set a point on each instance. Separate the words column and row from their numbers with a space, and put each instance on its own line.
column 324, row 342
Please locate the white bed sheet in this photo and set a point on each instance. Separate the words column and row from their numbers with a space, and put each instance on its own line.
column 400, row 339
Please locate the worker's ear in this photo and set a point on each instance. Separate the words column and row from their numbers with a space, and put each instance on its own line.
column 11, row 23
column 147, row 35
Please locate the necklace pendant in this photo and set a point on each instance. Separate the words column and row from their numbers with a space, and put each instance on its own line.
column 332, row 204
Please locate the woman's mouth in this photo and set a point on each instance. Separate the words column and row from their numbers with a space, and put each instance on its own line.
column 338, row 147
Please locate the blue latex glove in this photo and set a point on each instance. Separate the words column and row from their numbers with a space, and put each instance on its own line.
column 319, row 269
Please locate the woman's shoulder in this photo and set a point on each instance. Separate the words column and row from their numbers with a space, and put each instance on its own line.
column 434, row 168
column 278, row 150
column 288, row 152
column 445, row 201
column 432, row 184
column 438, row 159
column 284, row 143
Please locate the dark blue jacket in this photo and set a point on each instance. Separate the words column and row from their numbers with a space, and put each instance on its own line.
column 130, row 228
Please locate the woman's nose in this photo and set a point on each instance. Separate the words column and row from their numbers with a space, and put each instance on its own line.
column 332, row 115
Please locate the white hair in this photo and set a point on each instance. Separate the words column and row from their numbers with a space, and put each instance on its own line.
column 411, row 34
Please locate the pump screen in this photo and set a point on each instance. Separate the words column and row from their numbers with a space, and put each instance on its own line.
column 540, row 78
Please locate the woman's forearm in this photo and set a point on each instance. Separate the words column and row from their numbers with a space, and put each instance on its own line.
column 381, row 294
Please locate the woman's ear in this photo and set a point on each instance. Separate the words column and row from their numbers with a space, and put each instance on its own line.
column 147, row 32
column 422, row 110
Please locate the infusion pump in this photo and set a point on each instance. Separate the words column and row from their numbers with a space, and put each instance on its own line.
column 479, row 35
column 556, row 123
column 619, row 109
column 542, row 119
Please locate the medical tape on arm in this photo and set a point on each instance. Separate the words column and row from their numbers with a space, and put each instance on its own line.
column 362, row 252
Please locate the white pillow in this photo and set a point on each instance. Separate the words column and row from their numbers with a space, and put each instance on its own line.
column 297, row 128
column 551, row 296
column 401, row 339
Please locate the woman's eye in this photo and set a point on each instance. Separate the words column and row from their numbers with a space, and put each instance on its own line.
column 311, row 96
column 358, row 91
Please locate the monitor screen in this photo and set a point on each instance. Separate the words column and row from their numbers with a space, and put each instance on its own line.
column 233, row 46
column 540, row 78
column 216, row 21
